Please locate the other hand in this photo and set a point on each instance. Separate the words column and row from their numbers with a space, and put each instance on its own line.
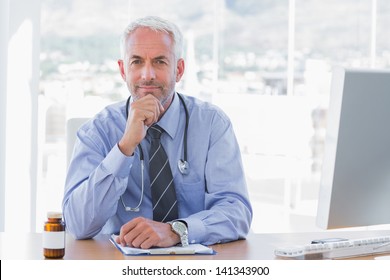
column 145, row 233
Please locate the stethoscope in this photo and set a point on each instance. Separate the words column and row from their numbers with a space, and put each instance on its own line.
column 182, row 164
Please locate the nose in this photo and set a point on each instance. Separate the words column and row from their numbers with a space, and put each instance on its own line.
column 148, row 73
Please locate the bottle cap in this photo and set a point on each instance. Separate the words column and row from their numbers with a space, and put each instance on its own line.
column 54, row 215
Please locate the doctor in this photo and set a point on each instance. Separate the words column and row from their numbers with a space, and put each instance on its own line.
column 108, row 186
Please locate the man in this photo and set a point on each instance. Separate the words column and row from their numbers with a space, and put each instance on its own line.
column 107, row 189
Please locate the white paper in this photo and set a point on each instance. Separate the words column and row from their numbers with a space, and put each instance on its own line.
column 175, row 250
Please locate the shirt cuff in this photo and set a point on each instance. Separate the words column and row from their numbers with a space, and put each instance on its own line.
column 196, row 230
column 117, row 163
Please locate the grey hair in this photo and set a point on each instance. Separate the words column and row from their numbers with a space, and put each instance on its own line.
column 159, row 25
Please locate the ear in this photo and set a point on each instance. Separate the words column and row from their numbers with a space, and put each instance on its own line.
column 122, row 69
column 179, row 69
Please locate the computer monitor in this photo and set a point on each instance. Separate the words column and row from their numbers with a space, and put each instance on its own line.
column 355, row 180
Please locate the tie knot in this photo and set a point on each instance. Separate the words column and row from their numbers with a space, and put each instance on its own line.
column 155, row 131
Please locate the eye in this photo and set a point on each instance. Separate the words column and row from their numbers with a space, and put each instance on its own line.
column 135, row 62
column 160, row 62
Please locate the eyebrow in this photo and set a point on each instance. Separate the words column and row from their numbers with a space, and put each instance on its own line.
column 135, row 57
column 155, row 58
column 161, row 57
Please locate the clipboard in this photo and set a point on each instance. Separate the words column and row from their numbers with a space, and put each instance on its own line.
column 192, row 249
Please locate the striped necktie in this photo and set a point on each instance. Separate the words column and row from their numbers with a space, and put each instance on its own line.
column 161, row 180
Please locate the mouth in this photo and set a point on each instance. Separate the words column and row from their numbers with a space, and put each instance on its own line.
column 149, row 87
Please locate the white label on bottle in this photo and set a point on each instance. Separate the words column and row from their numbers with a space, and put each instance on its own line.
column 54, row 239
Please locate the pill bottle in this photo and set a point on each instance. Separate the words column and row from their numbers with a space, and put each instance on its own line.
column 54, row 236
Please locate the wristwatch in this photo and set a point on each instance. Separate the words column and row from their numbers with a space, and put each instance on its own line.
column 180, row 228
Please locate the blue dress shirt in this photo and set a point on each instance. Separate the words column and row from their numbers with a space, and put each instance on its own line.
column 212, row 198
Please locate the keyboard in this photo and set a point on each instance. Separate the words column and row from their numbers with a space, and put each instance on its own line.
column 338, row 249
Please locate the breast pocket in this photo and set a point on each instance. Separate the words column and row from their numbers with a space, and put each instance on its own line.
column 191, row 198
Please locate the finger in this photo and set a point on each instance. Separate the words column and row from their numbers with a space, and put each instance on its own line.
column 144, row 239
column 149, row 114
column 125, row 229
column 143, row 235
column 137, row 235
column 148, row 243
column 161, row 107
column 157, row 109
column 136, row 228
column 150, row 103
column 150, row 118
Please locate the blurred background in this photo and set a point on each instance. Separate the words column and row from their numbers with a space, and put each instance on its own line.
column 266, row 63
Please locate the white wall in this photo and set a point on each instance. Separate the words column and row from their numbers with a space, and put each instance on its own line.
column 4, row 7
column 20, row 46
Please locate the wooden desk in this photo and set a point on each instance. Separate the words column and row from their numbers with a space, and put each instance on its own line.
column 255, row 247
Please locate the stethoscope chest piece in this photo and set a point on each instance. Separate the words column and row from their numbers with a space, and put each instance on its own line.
column 183, row 166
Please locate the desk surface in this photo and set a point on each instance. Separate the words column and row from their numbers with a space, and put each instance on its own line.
column 255, row 247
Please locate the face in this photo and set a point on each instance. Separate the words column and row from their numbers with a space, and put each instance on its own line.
column 150, row 66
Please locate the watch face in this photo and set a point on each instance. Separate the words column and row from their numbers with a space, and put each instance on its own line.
column 179, row 227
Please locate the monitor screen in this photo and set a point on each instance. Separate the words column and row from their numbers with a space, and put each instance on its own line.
column 355, row 179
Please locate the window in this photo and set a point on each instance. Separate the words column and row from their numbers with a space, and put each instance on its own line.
column 382, row 59
column 267, row 64
column 79, row 76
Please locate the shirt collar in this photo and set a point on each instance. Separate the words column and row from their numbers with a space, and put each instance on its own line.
column 170, row 120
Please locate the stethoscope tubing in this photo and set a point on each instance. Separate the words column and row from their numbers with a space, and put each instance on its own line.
column 183, row 165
